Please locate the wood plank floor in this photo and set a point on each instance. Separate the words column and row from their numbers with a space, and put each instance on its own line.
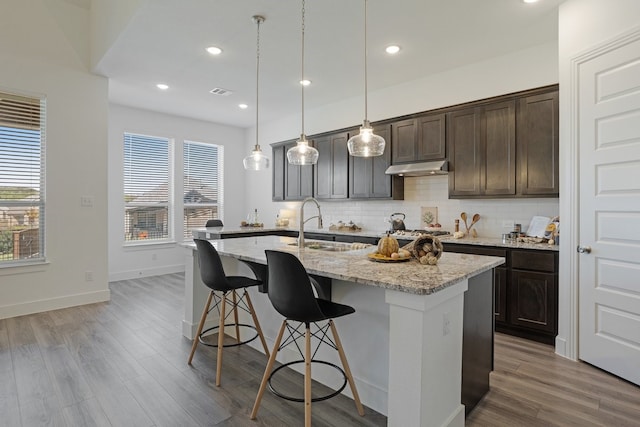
column 123, row 363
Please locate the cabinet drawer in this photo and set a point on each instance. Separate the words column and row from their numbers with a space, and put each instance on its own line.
column 533, row 260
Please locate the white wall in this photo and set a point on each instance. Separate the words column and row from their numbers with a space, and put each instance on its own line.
column 39, row 58
column 152, row 259
column 583, row 24
column 534, row 67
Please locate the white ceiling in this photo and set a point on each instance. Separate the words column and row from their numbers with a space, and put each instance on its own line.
column 166, row 40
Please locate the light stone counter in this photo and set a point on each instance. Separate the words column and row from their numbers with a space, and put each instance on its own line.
column 404, row 342
column 220, row 232
column 354, row 266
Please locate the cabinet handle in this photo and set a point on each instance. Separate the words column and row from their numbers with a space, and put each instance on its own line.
column 584, row 249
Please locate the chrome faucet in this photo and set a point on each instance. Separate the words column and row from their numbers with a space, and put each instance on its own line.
column 302, row 220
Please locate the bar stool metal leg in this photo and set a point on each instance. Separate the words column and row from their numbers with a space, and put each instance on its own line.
column 200, row 327
column 267, row 371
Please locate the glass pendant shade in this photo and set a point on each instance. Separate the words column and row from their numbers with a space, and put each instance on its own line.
column 302, row 153
column 256, row 161
column 366, row 143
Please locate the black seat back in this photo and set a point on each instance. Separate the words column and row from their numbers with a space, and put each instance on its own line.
column 211, row 270
column 290, row 289
column 214, row 223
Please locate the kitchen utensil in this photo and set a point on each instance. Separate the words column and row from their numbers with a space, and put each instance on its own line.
column 463, row 216
column 397, row 223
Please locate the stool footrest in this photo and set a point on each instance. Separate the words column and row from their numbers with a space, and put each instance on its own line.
column 213, row 328
column 301, row 399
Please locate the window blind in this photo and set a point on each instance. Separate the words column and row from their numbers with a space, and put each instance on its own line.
column 22, row 160
column 147, row 188
column 202, row 192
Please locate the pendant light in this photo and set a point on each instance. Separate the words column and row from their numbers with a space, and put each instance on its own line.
column 257, row 160
column 366, row 143
column 302, row 153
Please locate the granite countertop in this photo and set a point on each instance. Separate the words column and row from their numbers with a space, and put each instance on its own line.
column 480, row 241
column 409, row 276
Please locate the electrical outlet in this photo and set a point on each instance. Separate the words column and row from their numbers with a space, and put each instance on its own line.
column 88, row 276
column 446, row 324
column 508, row 223
column 86, row 201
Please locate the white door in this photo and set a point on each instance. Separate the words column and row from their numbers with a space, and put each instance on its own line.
column 609, row 217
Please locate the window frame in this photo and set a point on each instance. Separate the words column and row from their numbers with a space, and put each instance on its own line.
column 20, row 110
column 219, row 204
column 144, row 238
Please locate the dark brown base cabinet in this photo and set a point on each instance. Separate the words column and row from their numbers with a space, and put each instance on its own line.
column 525, row 290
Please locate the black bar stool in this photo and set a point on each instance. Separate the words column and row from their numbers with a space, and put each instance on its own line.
column 214, row 223
column 290, row 292
column 214, row 278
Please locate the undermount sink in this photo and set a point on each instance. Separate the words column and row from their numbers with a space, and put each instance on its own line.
column 332, row 246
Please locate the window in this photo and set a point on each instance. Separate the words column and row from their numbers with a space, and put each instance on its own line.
column 202, row 185
column 147, row 188
column 22, row 142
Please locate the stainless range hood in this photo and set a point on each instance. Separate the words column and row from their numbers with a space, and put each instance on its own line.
column 439, row 167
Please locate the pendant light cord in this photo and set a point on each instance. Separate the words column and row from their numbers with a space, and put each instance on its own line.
column 258, row 21
column 302, row 66
column 366, row 115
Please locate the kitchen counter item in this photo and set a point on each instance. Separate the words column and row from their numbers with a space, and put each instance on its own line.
column 381, row 258
column 396, row 222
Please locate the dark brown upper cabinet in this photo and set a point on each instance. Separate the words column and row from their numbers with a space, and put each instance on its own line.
column 419, row 139
column 367, row 178
column 538, row 145
column 482, row 151
column 505, row 148
column 290, row 182
column 465, row 152
column 332, row 170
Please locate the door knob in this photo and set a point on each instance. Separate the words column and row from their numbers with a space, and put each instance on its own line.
column 584, row 249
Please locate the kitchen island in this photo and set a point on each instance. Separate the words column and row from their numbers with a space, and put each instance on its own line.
column 405, row 340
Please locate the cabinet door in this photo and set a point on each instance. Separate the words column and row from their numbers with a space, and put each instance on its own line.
column 340, row 166
column 431, row 137
column 500, row 294
column 278, row 159
column 498, row 170
column 323, row 178
column 331, row 171
column 298, row 180
column 464, row 147
column 538, row 145
column 405, row 135
column 532, row 300
column 367, row 178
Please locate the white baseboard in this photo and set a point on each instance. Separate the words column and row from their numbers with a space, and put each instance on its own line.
column 39, row 306
column 146, row 272
column 189, row 329
column 456, row 419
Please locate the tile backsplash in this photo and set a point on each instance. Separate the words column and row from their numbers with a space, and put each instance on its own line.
column 496, row 215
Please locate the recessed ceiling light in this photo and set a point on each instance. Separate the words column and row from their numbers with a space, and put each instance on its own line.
column 529, row 1
column 213, row 50
column 243, row 106
column 305, row 82
column 393, row 49
column 162, row 86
